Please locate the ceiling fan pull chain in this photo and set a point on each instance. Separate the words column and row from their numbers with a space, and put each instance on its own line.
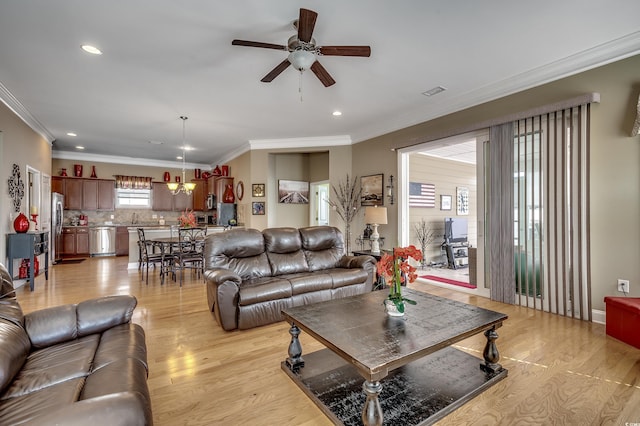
column 300, row 85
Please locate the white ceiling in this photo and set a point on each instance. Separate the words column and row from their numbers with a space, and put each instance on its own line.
column 164, row 58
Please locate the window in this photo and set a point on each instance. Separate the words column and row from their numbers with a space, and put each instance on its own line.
column 133, row 198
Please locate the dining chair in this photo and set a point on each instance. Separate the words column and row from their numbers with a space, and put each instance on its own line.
column 148, row 256
column 190, row 251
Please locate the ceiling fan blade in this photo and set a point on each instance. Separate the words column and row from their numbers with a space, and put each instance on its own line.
column 322, row 74
column 258, row 44
column 276, row 71
column 345, row 50
column 306, row 23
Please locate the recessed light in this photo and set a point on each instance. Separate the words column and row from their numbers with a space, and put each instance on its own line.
column 337, row 113
column 179, row 157
column 79, row 147
column 71, row 134
column 91, row 49
column 188, row 148
column 434, row 91
column 156, row 142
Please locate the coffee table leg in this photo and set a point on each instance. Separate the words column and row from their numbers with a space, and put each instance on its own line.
column 491, row 355
column 372, row 412
column 295, row 361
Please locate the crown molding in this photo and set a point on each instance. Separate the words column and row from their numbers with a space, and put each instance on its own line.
column 18, row 109
column 309, row 142
column 114, row 159
column 230, row 155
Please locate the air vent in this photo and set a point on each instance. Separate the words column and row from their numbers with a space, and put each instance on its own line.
column 434, row 91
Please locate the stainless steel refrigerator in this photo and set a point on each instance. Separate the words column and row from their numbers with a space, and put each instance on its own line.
column 57, row 216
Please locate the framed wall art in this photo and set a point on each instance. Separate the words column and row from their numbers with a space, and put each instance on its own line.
column 372, row 187
column 462, row 198
column 293, row 192
column 445, row 202
column 257, row 190
column 257, row 208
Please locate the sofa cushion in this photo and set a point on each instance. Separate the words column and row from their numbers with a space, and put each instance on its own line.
column 99, row 314
column 323, row 246
column 51, row 325
column 308, row 282
column 342, row 277
column 240, row 250
column 263, row 289
column 284, row 250
column 121, row 342
column 52, row 365
column 14, row 342
column 22, row 409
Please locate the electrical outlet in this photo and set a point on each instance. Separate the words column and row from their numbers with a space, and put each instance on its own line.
column 154, row 216
column 623, row 286
column 113, row 217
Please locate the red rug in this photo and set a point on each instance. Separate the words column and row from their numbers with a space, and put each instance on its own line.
column 447, row 281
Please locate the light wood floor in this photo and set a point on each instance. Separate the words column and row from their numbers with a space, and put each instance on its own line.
column 561, row 371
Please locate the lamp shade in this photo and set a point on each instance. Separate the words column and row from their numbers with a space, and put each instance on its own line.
column 377, row 215
column 302, row 59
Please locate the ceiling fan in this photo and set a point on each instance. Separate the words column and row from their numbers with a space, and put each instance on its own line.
column 303, row 50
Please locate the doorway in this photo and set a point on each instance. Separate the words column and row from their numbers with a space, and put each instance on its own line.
column 319, row 207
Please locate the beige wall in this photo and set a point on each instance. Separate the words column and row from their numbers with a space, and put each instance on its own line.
column 615, row 158
column 22, row 146
column 447, row 176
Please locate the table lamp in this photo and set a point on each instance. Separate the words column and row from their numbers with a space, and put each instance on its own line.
column 375, row 216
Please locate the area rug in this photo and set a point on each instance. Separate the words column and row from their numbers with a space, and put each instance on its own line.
column 447, row 281
column 71, row 261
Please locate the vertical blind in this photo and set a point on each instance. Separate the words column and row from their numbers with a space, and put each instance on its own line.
column 549, row 192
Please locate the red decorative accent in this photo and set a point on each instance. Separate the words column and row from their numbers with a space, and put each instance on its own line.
column 178, row 179
column 63, row 172
column 623, row 319
column 217, row 172
column 225, row 170
column 77, row 170
column 166, row 177
column 198, row 173
column 228, row 196
column 21, row 223
column 93, row 172
column 447, row 281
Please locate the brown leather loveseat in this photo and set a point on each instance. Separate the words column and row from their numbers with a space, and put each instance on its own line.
column 83, row 364
column 251, row 275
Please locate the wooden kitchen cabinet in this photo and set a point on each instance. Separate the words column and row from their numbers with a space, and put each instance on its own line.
column 163, row 200
column 200, row 194
column 57, row 184
column 122, row 241
column 75, row 241
column 73, row 193
column 98, row 194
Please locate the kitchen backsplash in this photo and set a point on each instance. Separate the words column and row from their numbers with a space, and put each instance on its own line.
column 122, row 217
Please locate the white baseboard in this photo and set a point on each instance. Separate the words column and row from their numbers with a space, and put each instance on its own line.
column 598, row 316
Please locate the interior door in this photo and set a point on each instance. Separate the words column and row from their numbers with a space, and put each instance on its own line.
column 319, row 207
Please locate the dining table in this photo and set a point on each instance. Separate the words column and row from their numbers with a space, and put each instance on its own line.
column 169, row 247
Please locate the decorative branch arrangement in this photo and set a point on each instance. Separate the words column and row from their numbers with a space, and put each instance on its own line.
column 425, row 236
column 347, row 204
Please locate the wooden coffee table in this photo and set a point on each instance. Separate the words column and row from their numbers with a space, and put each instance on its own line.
column 412, row 375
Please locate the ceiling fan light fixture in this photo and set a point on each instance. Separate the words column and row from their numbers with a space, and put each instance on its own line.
column 302, row 59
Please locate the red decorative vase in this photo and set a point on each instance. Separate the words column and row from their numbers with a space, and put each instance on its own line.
column 225, row 170
column 21, row 223
column 77, row 170
column 217, row 172
column 228, row 196
column 63, row 172
column 93, row 172
column 166, row 177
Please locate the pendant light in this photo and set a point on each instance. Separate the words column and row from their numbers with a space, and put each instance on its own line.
column 184, row 186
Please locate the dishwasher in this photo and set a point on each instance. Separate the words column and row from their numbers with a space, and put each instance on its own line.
column 102, row 241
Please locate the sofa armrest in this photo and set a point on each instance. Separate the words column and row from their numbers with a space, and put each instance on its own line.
column 223, row 287
column 58, row 324
column 365, row 262
column 124, row 408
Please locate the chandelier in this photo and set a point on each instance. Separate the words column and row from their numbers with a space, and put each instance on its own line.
column 184, row 186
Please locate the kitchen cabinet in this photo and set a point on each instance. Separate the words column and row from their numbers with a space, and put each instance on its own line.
column 73, row 194
column 122, row 241
column 163, row 200
column 98, row 194
column 85, row 194
column 200, row 194
column 75, row 241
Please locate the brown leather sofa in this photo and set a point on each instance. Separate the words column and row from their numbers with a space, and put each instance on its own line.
column 83, row 364
column 251, row 275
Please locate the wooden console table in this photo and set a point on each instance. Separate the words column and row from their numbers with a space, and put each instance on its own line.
column 28, row 245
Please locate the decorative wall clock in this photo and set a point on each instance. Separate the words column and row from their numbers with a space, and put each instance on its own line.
column 16, row 188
